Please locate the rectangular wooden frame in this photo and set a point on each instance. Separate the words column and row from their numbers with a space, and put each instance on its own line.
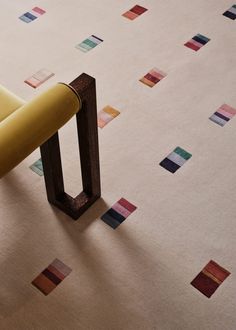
column 87, row 129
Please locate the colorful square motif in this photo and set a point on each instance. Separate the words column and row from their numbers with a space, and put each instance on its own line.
column 39, row 78
column 175, row 160
column 153, row 77
column 106, row 115
column 210, row 278
column 32, row 15
column 50, row 277
column 37, row 167
column 197, row 42
column 89, row 43
column 223, row 115
column 231, row 12
column 118, row 213
column 134, row 12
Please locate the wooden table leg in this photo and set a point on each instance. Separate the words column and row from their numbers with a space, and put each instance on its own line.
column 86, row 120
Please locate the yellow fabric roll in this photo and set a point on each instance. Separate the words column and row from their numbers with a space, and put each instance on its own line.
column 34, row 123
column 9, row 102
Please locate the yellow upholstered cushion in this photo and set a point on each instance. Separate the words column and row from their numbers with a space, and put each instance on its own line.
column 9, row 102
column 26, row 128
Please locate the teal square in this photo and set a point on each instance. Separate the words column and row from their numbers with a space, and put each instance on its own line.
column 37, row 167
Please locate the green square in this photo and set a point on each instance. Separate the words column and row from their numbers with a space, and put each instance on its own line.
column 89, row 43
column 83, row 45
column 37, row 167
column 182, row 153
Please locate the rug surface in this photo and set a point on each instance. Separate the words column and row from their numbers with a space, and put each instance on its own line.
column 157, row 251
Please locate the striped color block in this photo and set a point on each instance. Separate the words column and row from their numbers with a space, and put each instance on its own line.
column 106, row 115
column 37, row 167
column 38, row 78
column 197, row 42
column 223, row 115
column 231, row 12
column 118, row 213
column 32, row 15
column 50, row 277
column 210, row 278
column 89, row 43
column 134, row 12
column 153, row 77
column 175, row 160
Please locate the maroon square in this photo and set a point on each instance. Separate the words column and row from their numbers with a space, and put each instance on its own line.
column 192, row 46
column 150, row 77
column 138, row 10
column 205, row 284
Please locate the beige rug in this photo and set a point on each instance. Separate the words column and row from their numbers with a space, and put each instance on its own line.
column 136, row 277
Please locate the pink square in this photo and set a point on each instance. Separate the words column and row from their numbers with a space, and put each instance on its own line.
column 39, row 10
column 157, row 73
column 33, row 82
column 121, row 210
column 225, row 113
column 228, row 109
column 103, row 118
column 38, row 78
column 130, row 15
column 194, row 42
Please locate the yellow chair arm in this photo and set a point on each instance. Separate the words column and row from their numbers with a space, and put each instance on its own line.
column 25, row 129
column 9, row 102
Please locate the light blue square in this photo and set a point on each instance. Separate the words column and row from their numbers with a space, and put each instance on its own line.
column 25, row 19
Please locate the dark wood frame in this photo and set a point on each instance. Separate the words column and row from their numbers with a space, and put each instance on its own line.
column 87, row 129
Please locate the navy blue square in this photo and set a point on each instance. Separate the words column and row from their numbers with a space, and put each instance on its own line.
column 30, row 16
column 229, row 15
column 117, row 216
column 169, row 165
column 200, row 40
column 110, row 221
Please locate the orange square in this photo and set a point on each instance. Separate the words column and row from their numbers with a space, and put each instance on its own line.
column 42, row 283
column 147, row 82
column 130, row 15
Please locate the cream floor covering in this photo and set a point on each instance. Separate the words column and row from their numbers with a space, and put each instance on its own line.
column 138, row 276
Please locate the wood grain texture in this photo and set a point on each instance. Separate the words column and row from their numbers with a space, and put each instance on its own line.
column 86, row 120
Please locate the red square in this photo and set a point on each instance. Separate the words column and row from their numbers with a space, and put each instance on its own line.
column 151, row 78
column 192, row 46
column 138, row 10
column 127, row 205
column 217, row 271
